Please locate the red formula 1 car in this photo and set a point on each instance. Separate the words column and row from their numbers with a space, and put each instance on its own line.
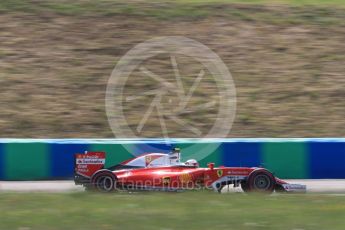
column 165, row 172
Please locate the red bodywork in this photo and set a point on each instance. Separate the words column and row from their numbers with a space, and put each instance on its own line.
column 90, row 166
column 178, row 176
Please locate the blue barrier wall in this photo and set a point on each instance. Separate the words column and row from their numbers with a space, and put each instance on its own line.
column 327, row 160
column 36, row 159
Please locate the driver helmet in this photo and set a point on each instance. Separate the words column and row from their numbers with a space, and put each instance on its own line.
column 192, row 162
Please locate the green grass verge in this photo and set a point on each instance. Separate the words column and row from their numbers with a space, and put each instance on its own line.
column 194, row 210
column 268, row 2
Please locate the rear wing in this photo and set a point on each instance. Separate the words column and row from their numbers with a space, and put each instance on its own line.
column 86, row 164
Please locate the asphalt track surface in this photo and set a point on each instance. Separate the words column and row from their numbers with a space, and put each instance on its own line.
column 313, row 186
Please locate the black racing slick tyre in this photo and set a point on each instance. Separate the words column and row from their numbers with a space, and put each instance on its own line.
column 244, row 186
column 104, row 181
column 259, row 181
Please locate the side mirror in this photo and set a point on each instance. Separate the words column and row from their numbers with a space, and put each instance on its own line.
column 210, row 166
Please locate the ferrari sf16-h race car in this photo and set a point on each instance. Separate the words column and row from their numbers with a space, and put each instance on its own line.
column 165, row 172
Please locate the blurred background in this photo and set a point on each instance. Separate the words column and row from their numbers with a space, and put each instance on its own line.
column 287, row 60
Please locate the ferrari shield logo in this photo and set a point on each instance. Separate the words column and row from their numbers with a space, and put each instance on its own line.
column 219, row 172
column 166, row 180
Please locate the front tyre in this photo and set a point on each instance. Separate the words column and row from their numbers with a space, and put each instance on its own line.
column 104, row 181
column 260, row 181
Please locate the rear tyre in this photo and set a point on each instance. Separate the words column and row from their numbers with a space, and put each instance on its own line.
column 104, row 181
column 259, row 181
column 244, row 186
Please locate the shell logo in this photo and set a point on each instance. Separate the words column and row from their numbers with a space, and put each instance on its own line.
column 185, row 178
